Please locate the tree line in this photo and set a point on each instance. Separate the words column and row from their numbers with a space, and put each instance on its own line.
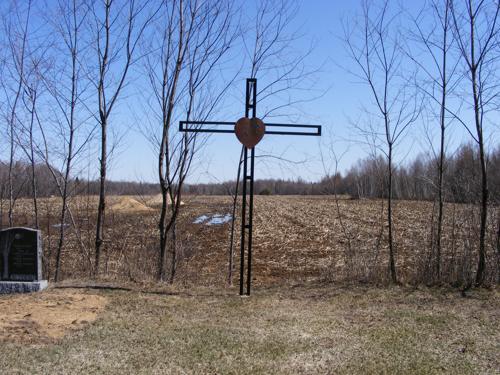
column 416, row 180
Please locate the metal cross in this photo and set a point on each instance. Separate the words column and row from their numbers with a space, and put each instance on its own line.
column 279, row 129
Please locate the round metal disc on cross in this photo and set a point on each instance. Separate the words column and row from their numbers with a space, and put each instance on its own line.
column 249, row 131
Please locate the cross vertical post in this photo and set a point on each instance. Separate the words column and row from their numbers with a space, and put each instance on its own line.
column 250, row 105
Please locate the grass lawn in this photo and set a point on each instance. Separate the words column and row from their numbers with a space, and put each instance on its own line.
column 317, row 329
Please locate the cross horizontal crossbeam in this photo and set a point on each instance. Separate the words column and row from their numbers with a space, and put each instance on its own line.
column 281, row 129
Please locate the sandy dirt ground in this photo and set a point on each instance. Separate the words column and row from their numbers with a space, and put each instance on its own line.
column 46, row 316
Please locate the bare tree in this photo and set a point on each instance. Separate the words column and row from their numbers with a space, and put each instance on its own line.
column 16, row 33
column 476, row 30
column 67, row 85
column 116, row 30
column 374, row 46
column 439, row 80
column 195, row 36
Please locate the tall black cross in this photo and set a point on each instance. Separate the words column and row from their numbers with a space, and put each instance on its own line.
column 277, row 129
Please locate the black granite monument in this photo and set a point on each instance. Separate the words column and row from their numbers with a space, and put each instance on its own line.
column 21, row 260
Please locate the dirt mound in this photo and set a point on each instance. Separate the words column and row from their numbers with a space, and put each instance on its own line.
column 129, row 204
column 157, row 200
column 43, row 317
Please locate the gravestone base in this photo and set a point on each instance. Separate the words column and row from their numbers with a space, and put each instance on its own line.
column 8, row 287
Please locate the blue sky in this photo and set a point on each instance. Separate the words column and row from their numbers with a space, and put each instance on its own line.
column 319, row 22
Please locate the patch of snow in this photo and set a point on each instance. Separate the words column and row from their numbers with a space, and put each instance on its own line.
column 219, row 219
column 201, row 219
column 216, row 219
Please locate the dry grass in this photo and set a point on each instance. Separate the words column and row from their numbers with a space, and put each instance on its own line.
column 315, row 329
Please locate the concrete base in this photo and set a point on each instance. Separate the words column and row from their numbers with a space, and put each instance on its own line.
column 8, row 287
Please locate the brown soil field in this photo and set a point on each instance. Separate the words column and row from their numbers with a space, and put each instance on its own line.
column 297, row 239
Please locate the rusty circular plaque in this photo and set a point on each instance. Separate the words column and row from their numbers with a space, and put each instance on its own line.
column 249, row 131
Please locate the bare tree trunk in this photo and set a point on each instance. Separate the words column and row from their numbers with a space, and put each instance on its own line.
column 64, row 206
column 11, row 161
column 48, row 246
column 440, row 197
column 32, row 159
column 163, row 239
column 392, row 261
column 168, row 103
column 481, row 267
column 442, row 118
column 103, row 117
column 233, row 221
column 173, row 265
column 102, row 196
column 71, row 123
column 498, row 246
